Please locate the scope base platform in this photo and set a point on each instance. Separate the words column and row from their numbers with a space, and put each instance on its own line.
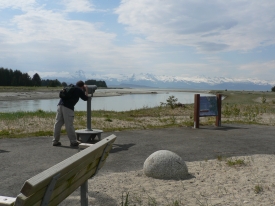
column 87, row 135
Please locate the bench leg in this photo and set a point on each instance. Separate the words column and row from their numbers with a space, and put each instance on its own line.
column 84, row 193
column 99, row 136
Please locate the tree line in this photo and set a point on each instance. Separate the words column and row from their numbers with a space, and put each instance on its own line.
column 97, row 83
column 8, row 77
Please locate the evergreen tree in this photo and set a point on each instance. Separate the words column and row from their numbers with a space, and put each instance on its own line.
column 16, row 78
column 95, row 82
column 64, row 84
column 51, row 83
column 25, row 80
column 273, row 89
column 36, row 80
column 6, row 76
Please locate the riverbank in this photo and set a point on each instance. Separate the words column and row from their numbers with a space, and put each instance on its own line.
column 52, row 93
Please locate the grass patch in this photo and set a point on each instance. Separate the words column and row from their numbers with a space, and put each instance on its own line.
column 43, row 133
column 108, row 120
column 221, row 158
column 4, row 132
column 237, row 162
column 28, row 89
column 258, row 189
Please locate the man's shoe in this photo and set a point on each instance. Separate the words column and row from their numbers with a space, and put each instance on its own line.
column 75, row 144
column 56, row 143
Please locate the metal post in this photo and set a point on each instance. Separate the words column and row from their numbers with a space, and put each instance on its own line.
column 87, row 134
column 89, row 123
column 84, row 193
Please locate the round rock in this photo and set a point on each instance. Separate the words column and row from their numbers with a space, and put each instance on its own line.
column 164, row 164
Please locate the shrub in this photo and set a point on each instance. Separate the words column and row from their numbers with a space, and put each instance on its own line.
column 171, row 101
column 263, row 99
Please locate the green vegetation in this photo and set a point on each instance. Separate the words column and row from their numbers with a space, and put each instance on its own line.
column 51, row 83
column 29, row 89
column 171, row 102
column 144, row 199
column 263, row 99
column 248, row 107
column 231, row 162
column 237, row 162
column 258, row 189
column 221, row 158
column 98, row 83
column 126, row 201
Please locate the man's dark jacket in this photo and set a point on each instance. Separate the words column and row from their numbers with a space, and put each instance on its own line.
column 70, row 103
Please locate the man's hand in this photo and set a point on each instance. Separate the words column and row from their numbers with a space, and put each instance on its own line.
column 86, row 89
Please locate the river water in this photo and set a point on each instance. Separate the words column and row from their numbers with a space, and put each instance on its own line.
column 112, row 103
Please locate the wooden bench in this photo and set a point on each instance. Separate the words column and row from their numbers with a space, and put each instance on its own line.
column 55, row 184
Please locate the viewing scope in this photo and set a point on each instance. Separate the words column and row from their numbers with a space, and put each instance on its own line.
column 91, row 88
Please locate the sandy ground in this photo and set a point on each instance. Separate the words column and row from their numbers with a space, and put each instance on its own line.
column 211, row 182
column 10, row 96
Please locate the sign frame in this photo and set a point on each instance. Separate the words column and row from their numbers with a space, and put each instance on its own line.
column 209, row 108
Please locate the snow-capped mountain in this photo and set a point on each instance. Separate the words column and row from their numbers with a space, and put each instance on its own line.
column 163, row 81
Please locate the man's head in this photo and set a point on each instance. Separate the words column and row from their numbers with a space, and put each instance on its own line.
column 80, row 84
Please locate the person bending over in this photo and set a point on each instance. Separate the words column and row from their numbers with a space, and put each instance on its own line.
column 65, row 114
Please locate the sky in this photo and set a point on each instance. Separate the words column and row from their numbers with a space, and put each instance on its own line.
column 214, row 38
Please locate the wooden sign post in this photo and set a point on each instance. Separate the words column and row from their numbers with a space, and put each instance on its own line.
column 219, row 105
column 207, row 106
column 196, row 111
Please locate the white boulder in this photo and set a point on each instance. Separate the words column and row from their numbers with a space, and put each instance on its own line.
column 164, row 164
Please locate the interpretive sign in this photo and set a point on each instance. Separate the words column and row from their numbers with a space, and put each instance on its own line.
column 208, row 106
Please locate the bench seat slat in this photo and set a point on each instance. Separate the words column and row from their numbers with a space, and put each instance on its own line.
column 64, row 182
column 43, row 179
column 6, row 201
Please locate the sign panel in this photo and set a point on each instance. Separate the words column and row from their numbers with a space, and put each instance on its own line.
column 208, row 106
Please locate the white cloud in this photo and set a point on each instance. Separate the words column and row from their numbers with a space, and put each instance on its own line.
column 55, row 42
column 17, row 4
column 78, row 5
column 261, row 70
column 38, row 24
column 50, row 38
column 208, row 26
column 46, row 75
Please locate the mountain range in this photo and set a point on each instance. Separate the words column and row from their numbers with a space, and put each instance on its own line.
column 162, row 81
